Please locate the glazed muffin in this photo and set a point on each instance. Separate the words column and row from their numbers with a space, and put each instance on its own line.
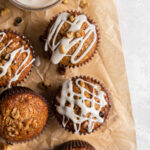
column 16, row 58
column 72, row 39
column 23, row 114
column 75, row 145
column 82, row 105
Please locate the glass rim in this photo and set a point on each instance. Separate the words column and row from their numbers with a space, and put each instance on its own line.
column 22, row 6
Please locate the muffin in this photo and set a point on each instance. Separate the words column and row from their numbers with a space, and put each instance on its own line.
column 82, row 105
column 75, row 145
column 16, row 58
column 23, row 114
column 71, row 39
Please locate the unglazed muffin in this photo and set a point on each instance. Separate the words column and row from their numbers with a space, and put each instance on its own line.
column 82, row 105
column 72, row 39
column 16, row 58
column 23, row 114
column 75, row 145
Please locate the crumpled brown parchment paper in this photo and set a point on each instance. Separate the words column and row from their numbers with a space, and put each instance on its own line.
column 118, row 133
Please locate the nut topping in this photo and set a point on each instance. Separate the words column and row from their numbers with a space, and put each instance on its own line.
column 69, row 34
column 9, row 72
column 82, row 84
column 80, row 33
column 62, row 49
column 15, row 113
column 72, row 18
column 7, row 57
column 28, row 123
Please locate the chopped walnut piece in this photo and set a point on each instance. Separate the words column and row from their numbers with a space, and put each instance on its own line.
column 15, row 113
column 4, row 12
column 72, row 18
column 34, row 124
column 43, row 85
column 80, row 33
column 62, row 49
column 64, row 1
column 8, row 120
column 7, row 57
column 28, row 123
column 11, row 134
column 20, row 125
column 82, row 84
column 83, row 3
column 69, row 34
column 10, row 129
column 9, row 72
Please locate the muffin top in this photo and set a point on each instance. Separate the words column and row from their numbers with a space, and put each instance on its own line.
column 72, row 39
column 75, row 145
column 23, row 114
column 84, row 104
column 15, row 58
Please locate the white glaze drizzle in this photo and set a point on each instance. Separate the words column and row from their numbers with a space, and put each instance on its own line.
column 57, row 56
column 68, row 111
column 11, row 59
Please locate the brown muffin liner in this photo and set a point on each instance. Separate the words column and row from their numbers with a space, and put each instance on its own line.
column 109, row 104
column 75, row 144
column 18, row 90
column 44, row 37
column 32, row 50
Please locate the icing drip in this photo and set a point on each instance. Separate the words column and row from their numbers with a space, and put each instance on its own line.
column 20, row 50
column 68, row 111
column 68, row 43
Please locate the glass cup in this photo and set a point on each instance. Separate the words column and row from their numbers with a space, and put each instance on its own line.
column 39, row 6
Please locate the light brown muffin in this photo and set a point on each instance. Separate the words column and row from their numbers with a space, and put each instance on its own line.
column 82, row 105
column 16, row 58
column 75, row 145
column 71, row 38
column 23, row 114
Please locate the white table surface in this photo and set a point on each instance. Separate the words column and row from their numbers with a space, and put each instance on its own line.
column 134, row 18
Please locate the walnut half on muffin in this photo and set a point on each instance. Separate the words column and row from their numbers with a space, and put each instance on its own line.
column 72, row 39
column 82, row 105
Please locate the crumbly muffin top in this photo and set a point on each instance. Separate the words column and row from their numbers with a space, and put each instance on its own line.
column 15, row 58
column 22, row 117
column 83, row 103
column 71, row 38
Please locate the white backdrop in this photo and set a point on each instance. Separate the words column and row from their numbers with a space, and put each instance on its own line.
column 134, row 18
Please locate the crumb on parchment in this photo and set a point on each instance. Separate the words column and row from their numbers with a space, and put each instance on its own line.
column 64, row 1
column 83, row 4
column 4, row 11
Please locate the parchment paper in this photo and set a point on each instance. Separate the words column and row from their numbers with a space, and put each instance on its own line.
column 118, row 133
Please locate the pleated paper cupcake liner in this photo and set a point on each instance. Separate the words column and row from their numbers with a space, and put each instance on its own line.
column 20, row 90
column 106, row 115
column 33, row 56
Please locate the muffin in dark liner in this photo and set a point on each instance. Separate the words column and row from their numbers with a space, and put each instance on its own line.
column 75, row 144
column 8, row 99
column 25, row 74
column 69, row 126
column 61, row 67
